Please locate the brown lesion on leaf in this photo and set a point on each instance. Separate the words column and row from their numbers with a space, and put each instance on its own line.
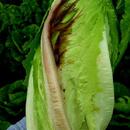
column 61, row 23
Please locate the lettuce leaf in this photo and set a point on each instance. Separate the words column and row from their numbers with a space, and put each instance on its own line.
column 86, row 71
column 36, row 108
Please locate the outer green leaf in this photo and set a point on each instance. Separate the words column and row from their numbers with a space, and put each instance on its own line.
column 36, row 108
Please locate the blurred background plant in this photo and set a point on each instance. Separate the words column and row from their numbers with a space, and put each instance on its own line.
column 20, row 22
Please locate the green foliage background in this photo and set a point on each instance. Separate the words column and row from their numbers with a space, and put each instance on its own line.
column 20, row 26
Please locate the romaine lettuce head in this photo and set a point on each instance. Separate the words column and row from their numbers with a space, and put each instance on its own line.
column 71, row 85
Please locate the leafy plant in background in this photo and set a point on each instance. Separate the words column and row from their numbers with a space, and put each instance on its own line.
column 20, row 21
column 19, row 38
column 120, row 119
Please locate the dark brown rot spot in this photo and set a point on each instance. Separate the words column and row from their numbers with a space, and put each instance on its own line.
column 63, row 29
